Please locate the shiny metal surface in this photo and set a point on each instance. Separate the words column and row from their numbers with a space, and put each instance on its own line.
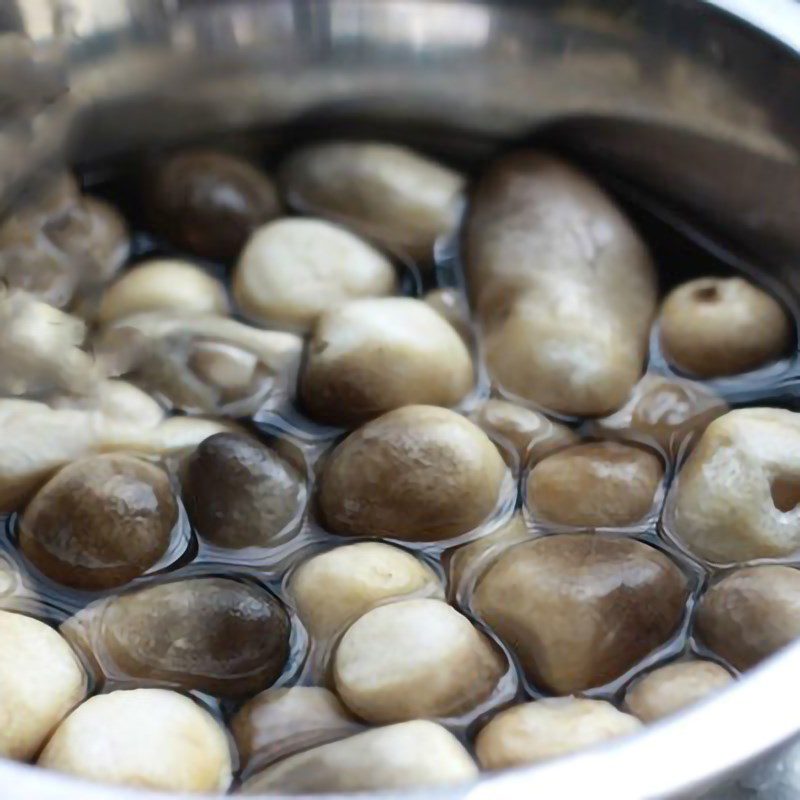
column 697, row 101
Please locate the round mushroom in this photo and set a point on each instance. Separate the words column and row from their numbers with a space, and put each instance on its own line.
column 163, row 284
column 545, row 729
column 750, row 614
column 712, row 327
column 241, row 493
column 279, row 722
column 370, row 356
column 670, row 412
column 418, row 473
column 410, row 755
column 41, row 680
column 144, row 738
column 564, row 287
column 414, row 658
column 99, row 522
column 736, row 497
column 294, row 269
column 334, row 588
column 530, row 433
column 669, row 689
column 209, row 202
column 214, row 635
column 581, row 609
column 385, row 191
column 595, row 484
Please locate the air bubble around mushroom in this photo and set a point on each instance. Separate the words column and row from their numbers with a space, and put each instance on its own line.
column 142, row 738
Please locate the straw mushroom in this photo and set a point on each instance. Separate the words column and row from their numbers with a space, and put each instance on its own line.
column 581, row 609
column 671, row 688
column 418, row 473
column 209, row 202
column 279, row 722
column 370, row 356
column 99, row 522
column 595, row 484
column 143, row 738
column 215, row 635
column 241, row 493
column 334, row 588
column 410, row 755
column 711, row 327
column 163, row 284
column 294, row 269
column 384, row 191
column 564, row 287
column 750, row 614
column 41, row 680
column 534, row 732
column 414, row 658
column 736, row 498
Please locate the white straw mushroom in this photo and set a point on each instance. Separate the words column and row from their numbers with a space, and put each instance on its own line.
column 411, row 755
column 147, row 738
column 41, row 680
column 294, row 269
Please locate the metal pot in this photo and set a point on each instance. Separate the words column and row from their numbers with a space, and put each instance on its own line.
column 699, row 101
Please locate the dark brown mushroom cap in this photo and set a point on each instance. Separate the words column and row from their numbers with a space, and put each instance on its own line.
column 579, row 610
column 99, row 522
column 419, row 473
column 240, row 493
column 750, row 614
column 215, row 635
column 209, row 202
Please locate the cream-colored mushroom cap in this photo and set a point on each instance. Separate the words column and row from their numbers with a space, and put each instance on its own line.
column 416, row 754
column 722, row 326
column 385, row 191
column 414, row 658
column 370, row 356
column 419, row 473
column 41, row 680
column 294, row 269
column 163, row 284
column 545, row 729
column 334, row 588
column 146, row 738
column 669, row 689
column 736, row 497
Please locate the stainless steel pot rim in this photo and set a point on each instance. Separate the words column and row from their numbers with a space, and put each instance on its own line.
column 679, row 755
